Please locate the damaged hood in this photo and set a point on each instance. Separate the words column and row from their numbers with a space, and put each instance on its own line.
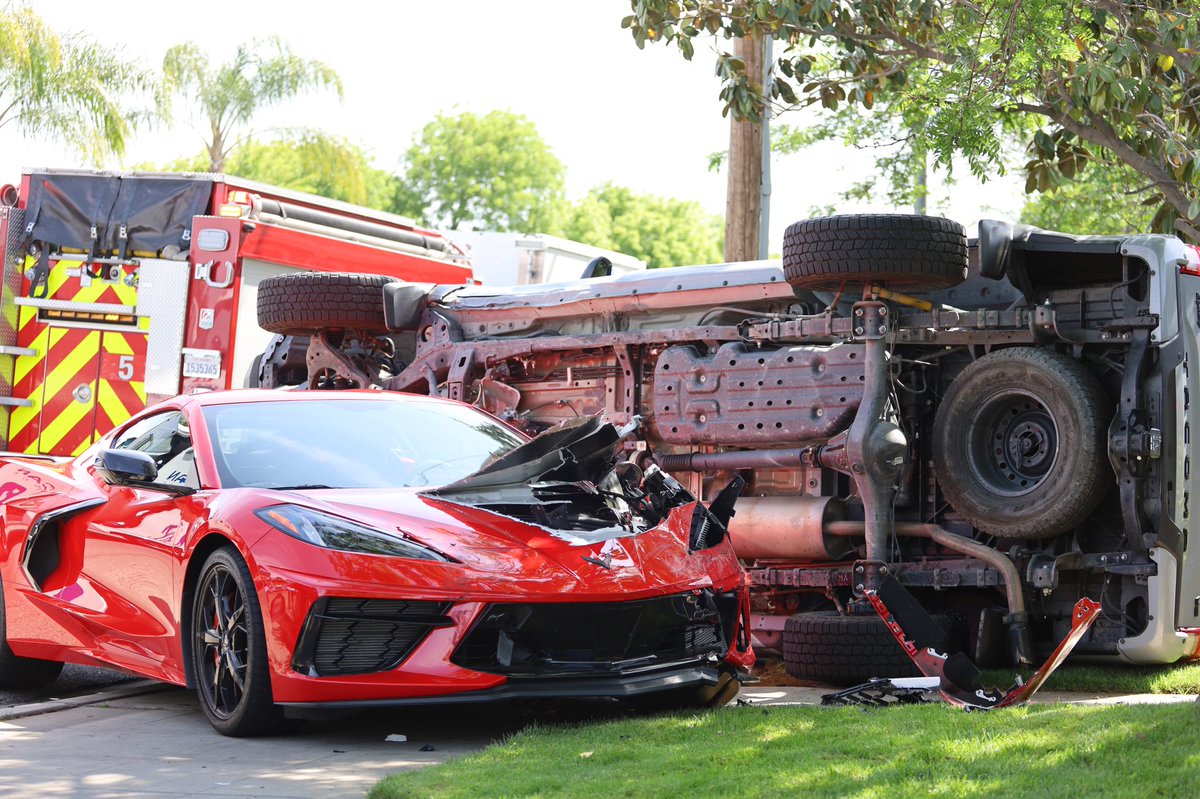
column 574, row 451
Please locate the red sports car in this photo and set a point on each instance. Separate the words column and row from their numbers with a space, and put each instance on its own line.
column 277, row 549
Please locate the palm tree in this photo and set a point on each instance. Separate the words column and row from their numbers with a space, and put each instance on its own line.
column 65, row 87
column 262, row 73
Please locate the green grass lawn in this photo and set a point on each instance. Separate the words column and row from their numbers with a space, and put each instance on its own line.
column 1114, row 679
column 934, row 750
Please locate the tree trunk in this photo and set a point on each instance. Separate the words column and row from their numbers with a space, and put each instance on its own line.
column 216, row 151
column 743, row 196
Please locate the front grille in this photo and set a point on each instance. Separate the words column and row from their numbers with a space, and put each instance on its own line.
column 361, row 636
column 595, row 638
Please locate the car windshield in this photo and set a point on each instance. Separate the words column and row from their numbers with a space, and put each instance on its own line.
column 352, row 443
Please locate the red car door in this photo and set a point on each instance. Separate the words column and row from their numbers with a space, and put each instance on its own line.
column 107, row 580
column 132, row 565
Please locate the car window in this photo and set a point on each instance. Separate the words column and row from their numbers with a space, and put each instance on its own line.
column 166, row 438
column 358, row 443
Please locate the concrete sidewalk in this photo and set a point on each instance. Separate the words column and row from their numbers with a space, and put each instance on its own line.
column 156, row 743
column 159, row 744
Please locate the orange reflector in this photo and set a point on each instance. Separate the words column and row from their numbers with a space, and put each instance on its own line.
column 87, row 316
column 231, row 209
column 282, row 520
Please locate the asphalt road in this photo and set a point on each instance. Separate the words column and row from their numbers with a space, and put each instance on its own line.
column 75, row 680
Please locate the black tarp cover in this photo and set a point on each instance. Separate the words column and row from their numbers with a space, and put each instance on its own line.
column 157, row 212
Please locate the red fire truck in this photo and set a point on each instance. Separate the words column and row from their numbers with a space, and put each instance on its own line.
column 121, row 289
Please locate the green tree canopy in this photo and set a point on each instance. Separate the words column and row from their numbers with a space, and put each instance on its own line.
column 305, row 160
column 1104, row 199
column 660, row 231
column 490, row 172
column 1086, row 77
column 262, row 73
column 65, row 86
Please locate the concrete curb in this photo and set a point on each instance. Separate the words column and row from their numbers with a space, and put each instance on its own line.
column 52, row 705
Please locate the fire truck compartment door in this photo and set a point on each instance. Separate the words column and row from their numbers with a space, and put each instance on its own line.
column 72, row 366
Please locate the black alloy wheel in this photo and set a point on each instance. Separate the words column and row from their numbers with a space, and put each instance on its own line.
column 224, row 639
column 229, row 654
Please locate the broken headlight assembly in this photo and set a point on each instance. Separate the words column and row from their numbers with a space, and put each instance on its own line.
column 333, row 532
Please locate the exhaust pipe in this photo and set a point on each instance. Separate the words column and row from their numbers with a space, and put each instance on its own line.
column 1018, row 617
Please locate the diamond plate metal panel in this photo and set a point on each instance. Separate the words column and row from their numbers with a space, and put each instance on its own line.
column 10, row 284
column 162, row 297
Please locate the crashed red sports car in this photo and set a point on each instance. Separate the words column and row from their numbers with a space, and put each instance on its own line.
column 277, row 549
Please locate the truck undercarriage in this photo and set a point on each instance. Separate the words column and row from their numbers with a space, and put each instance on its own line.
column 1001, row 445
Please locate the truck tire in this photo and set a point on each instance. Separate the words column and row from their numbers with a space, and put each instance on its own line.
column 847, row 650
column 301, row 304
column 1020, row 443
column 908, row 253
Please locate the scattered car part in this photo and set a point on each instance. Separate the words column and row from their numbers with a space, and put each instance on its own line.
column 958, row 677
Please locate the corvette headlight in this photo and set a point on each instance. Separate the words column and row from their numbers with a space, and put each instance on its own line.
column 333, row 532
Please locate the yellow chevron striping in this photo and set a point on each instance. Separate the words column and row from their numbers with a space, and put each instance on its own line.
column 117, row 344
column 110, row 404
column 128, row 295
column 66, row 370
column 22, row 416
column 58, row 276
column 65, row 422
column 27, row 363
column 26, row 316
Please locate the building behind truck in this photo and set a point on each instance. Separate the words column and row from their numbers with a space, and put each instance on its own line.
column 510, row 259
column 121, row 289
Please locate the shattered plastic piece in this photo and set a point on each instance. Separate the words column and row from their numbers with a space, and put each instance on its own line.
column 396, row 738
column 586, row 754
column 426, row 748
column 957, row 676
column 881, row 692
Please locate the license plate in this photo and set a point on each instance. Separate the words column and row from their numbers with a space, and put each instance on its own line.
column 202, row 364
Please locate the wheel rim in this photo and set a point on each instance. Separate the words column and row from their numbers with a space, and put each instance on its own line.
column 1013, row 443
column 223, row 642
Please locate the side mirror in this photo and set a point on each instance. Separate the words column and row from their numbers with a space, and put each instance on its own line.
column 597, row 267
column 403, row 304
column 995, row 248
column 125, row 466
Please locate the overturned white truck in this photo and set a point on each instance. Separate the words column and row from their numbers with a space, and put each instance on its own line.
column 1001, row 424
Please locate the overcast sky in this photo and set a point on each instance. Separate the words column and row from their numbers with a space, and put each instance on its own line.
column 646, row 119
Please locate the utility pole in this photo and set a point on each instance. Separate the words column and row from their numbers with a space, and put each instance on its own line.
column 743, row 195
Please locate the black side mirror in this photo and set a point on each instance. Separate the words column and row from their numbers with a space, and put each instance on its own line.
column 995, row 248
column 597, row 267
column 403, row 304
column 125, row 466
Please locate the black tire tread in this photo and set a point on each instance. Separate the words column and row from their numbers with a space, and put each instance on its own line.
column 303, row 303
column 1082, row 486
column 907, row 252
column 259, row 715
column 847, row 650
